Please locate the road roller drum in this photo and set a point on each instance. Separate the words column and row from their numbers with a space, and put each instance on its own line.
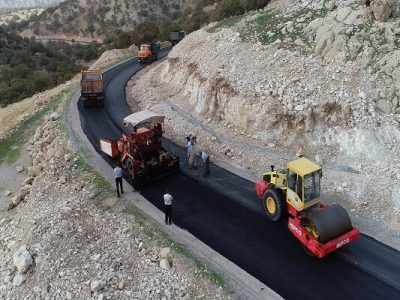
column 329, row 223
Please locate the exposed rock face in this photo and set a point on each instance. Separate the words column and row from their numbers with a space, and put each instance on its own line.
column 382, row 9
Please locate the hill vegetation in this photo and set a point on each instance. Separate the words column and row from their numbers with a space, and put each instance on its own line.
column 107, row 18
column 191, row 19
column 6, row 4
column 17, row 15
column 103, row 18
column 28, row 67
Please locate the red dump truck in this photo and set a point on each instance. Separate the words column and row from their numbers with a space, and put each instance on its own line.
column 92, row 88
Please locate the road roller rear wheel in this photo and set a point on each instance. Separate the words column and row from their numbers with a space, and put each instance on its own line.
column 274, row 203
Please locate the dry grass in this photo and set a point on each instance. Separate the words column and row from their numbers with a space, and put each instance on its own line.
column 13, row 114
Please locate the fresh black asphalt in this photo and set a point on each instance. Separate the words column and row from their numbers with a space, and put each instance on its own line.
column 224, row 212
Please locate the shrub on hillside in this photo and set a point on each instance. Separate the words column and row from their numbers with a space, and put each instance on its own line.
column 146, row 32
column 229, row 8
column 28, row 67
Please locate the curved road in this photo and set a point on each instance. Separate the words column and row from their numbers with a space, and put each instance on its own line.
column 224, row 212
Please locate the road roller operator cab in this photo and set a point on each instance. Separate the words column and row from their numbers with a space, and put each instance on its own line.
column 296, row 192
column 303, row 183
column 300, row 183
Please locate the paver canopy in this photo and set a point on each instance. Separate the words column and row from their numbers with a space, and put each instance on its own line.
column 143, row 117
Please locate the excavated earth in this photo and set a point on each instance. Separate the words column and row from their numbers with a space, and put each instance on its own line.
column 320, row 80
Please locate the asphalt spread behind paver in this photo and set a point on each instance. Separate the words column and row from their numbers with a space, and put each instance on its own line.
column 223, row 211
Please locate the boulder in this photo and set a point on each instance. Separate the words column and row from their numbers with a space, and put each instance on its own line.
column 28, row 181
column 22, row 259
column 395, row 8
column 7, row 193
column 16, row 200
column 19, row 279
column 165, row 252
column 381, row 9
column 121, row 285
column 299, row 107
column 20, row 169
column 165, row 264
column 97, row 285
column 54, row 116
column 384, row 106
column 24, row 191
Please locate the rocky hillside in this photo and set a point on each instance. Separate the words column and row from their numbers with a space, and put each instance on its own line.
column 322, row 70
column 319, row 78
column 6, row 4
column 99, row 17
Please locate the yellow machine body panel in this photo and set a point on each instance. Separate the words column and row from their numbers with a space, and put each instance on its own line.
column 277, row 178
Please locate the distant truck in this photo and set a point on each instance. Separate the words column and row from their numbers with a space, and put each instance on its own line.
column 149, row 52
column 176, row 36
column 92, row 88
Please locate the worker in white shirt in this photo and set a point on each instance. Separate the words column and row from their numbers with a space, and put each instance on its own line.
column 118, row 173
column 168, row 207
column 206, row 163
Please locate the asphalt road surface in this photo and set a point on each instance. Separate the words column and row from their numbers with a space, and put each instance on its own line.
column 224, row 212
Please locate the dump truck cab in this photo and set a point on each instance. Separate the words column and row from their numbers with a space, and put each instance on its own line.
column 92, row 88
column 176, row 36
column 149, row 52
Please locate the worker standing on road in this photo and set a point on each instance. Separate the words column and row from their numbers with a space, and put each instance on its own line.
column 206, row 163
column 118, row 178
column 190, row 149
column 168, row 207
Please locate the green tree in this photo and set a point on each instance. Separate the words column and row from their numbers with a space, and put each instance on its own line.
column 146, row 32
column 229, row 8
column 42, row 80
column 7, row 75
column 256, row 4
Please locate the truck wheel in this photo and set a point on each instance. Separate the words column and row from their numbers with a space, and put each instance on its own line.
column 274, row 203
column 130, row 167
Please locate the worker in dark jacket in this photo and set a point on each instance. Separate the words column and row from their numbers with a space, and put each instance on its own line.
column 206, row 163
column 118, row 173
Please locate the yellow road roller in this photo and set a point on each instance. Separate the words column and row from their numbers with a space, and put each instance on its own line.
column 295, row 192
